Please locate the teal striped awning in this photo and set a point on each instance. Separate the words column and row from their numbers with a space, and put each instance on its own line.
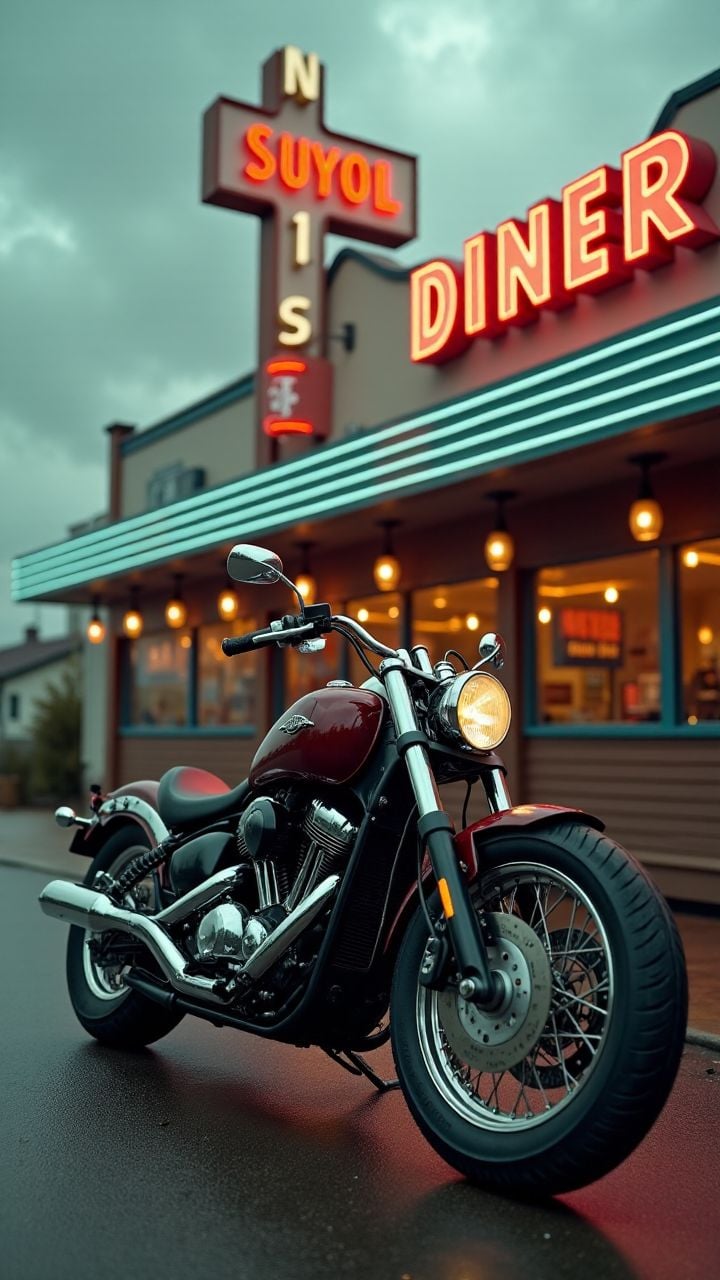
column 667, row 369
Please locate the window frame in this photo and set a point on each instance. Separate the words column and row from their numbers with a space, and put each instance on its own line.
column 671, row 723
column 126, row 729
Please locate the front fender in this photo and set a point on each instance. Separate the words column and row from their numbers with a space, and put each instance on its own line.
column 136, row 804
column 469, row 843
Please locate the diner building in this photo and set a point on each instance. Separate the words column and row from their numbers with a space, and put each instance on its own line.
column 596, row 420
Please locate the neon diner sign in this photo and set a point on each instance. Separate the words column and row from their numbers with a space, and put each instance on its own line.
column 608, row 223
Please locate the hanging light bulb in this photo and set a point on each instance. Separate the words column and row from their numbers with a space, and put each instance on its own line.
column 386, row 569
column 691, row 559
column 305, row 582
column 176, row 609
column 132, row 622
column 228, row 605
column 611, row 595
column 96, row 627
column 544, row 615
column 499, row 544
column 646, row 517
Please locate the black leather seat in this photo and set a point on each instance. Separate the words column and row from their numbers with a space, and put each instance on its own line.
column 187, row 797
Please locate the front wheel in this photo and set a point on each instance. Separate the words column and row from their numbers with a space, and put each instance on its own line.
column 563, row 1079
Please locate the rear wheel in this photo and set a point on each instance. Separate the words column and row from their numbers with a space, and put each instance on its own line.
column 106, row 1007
column 562, row 1080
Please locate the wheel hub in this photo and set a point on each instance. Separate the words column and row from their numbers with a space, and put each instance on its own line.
column 494, row 1040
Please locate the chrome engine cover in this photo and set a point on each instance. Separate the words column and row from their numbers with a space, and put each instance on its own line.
column 220, row 932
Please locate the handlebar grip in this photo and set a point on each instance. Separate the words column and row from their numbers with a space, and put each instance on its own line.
column 239, row 644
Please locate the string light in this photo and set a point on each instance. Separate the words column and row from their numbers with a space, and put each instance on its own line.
column 96, row 627
column 499, row 544
column 386, row 569
column 176, row 609
column 132, row 622
column 646, row 516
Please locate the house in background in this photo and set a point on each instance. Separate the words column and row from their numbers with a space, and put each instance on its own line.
column 26, row 670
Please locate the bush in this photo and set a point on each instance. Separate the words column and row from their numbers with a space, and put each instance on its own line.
column 56, row 730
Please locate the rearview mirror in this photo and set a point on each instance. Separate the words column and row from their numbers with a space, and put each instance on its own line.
column 492, row 649
column 254, row 564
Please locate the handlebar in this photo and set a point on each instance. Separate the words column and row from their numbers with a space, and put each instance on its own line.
column 232, row 645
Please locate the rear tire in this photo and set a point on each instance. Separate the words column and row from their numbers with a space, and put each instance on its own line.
column 588, row 1095
column 126, row 1020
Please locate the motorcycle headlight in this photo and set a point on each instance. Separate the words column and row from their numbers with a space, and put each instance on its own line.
column 475, row 709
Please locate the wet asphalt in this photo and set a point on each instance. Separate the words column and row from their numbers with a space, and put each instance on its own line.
column 215, row 1154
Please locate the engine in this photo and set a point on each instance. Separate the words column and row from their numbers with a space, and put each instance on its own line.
column 290, row 854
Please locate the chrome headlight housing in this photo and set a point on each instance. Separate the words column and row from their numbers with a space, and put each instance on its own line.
column 473, row 709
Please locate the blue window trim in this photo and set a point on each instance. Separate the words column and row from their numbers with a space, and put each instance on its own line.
column 188, row 731
column 672, row 722
column 192, row 729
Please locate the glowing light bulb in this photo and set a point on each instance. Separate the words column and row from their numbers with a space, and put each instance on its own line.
column 705, row 635
column 472, row 622
column 175, row 614
column 499, row 550
column 612, row 595
column 440, row 602
column 228, row 605
column 691, row 559
column 393, row 611
column 646, row 520
column 95, row 630
column 307, row 587
column 544, row 615
column 363, row 615
column 386, row 572
column 132, row 624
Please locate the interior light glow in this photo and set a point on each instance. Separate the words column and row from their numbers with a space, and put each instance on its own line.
column 611, row 595
column 544, row 615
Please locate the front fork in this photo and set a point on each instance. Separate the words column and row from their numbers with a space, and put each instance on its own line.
column 477, row 982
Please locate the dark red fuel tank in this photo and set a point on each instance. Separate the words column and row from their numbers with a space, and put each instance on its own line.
column 324, row 737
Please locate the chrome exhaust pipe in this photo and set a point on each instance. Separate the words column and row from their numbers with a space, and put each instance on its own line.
column 289, row 929
column 88, row 909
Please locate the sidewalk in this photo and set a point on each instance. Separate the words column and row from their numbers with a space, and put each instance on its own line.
column 30, row 838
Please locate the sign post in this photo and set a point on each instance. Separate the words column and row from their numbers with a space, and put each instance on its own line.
column 280, row 162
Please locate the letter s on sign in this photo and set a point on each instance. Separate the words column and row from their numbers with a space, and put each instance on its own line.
column 297, row 328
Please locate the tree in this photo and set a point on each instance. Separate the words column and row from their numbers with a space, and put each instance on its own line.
column 56, row 727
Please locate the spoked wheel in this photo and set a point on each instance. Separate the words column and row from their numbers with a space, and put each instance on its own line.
column 558, row 1082
column 106, row 1006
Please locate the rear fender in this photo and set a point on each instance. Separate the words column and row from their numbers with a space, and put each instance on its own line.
column 134, row 804
column 469, row 846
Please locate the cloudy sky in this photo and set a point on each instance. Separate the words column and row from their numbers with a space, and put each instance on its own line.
column 122, row 297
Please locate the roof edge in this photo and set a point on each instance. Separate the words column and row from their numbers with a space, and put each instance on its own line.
column 232, row 391
column 678, row 99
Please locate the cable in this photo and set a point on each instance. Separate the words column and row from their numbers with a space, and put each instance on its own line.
column 454, row 653
column 359, row 651
column 466, row 803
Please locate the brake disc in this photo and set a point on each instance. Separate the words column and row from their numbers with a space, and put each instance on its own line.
column 495, row 1040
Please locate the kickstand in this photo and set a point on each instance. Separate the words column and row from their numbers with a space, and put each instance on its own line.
column 357, row 1066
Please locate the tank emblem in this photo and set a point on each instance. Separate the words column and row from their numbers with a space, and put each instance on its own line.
column 295, row 724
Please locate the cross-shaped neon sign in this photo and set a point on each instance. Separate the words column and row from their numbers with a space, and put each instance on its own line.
column 280, row 162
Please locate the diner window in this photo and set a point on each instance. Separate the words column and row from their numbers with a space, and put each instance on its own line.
column 700, row 635
column 226, row 687
column 455, row 617
column 159, row 668
column 597, row 634
column 383, row 617
column 306, row 672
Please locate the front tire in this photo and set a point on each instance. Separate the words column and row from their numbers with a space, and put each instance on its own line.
column 565, row 1079
column 106, row 1007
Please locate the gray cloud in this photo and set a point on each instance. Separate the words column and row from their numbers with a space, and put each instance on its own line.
column 121, row 296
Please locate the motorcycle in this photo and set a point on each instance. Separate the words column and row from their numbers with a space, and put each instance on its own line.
column 525, row 969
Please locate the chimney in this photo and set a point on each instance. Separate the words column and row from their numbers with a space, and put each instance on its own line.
column 31, row 635
column 117, row 431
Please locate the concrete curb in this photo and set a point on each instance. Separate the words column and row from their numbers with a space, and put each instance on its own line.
column 703, row 1039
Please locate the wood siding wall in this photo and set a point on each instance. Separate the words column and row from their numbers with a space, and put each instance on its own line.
column 660, row 799
column 150, row 757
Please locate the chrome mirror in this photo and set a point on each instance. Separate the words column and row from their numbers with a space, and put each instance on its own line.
column 492, row 648
column 254, row 564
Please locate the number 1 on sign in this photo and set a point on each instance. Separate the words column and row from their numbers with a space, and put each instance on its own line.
column 301, row 223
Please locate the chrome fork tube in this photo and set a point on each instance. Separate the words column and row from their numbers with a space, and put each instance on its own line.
column 498, row 796
column 421, row 775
